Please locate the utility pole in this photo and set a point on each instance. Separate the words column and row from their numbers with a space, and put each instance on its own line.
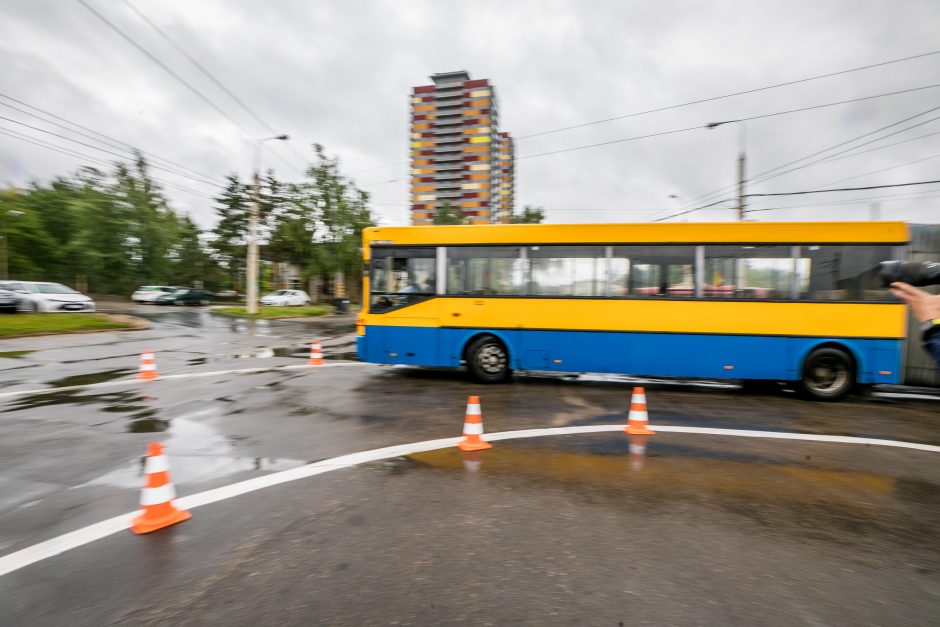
column 251, row 293
column 251, row 290
column 742, row 162
column 742, row 168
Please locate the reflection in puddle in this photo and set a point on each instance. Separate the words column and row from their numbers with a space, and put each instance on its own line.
column 197, row 452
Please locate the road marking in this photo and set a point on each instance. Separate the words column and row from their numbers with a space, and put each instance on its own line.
column 85, row 535
column 170, row 377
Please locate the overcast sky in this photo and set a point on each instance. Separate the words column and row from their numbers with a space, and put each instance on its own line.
column 340, row 73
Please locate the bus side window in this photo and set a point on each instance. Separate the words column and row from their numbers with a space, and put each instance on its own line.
column 653, row 271
column 846, row 272
column 748, row 272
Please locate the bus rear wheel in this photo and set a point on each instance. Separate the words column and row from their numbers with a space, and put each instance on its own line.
column 488, row 360
column 828, row 375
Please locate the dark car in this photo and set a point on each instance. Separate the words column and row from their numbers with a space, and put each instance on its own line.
column 184, row 296
column 8, row 301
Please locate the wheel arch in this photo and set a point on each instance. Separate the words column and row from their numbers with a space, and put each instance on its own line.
column 472, row 337
column 847, row 347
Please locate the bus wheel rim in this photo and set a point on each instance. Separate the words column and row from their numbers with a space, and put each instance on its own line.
column 827, row 375
column 491, row 359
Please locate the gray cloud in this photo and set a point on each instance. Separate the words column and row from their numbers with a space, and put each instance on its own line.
column 340, row 74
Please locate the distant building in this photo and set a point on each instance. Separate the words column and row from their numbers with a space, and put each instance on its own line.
column 458, row 156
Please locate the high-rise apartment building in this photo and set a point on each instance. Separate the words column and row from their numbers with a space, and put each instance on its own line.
column 459, row 159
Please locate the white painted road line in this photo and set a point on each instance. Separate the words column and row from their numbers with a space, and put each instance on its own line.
column 85, row 535
column 170, row 377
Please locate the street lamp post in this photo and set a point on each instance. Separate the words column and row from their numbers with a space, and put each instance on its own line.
column 4, row 236
column 742, row 160
column 251, row 291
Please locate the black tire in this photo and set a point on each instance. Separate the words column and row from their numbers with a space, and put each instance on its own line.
column 488, row 360
column 828, row 375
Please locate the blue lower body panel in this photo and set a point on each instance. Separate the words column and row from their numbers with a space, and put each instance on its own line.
column 647, row 354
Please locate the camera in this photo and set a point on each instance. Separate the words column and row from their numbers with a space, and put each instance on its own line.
column 918, row 273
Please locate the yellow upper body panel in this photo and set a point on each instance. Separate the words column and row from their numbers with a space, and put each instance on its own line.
column 643, row 233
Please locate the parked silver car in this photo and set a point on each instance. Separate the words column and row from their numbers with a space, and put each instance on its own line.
column 40, row 296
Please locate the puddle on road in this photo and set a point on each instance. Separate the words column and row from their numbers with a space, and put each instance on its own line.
column 92, row 377
column 197, row 453
column 783, row 493
column 15, row 354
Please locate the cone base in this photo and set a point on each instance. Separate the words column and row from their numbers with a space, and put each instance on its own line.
column 147, row 377
column 142, row 524
column 631, row 430
column 474, row 446
column 315, row 363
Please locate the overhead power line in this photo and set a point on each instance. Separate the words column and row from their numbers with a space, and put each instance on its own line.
column 862, row 152
column 688, row 211
column 212, row 77
column 107, row 141
column 72, row 153
column 893, row 167
column 165, row 67
column 738, row 93
column 840, row 203
column 842, row 189
column 179, row 78
column 110, row 152
column 380, row 167
column 745, row 119
column 764, row 176
column 812, row 191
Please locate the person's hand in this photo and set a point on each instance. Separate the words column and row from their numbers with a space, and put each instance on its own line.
column 925, row 305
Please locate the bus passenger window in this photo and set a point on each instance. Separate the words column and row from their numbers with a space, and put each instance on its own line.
column 653, row 271
column 846, row 272
column 566, row 270
column 750, row 272
column 485, row 271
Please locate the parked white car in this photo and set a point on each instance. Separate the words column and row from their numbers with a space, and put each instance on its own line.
column 150, row 293
column 39, row 296
column 285, row 298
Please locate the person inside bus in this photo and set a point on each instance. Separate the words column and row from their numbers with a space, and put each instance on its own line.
column 926, row 308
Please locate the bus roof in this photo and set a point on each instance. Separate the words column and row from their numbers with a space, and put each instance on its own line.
column 645, row 233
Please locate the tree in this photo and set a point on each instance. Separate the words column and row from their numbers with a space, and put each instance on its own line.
column 448, row 214
column 529, row 215
column 320, row 227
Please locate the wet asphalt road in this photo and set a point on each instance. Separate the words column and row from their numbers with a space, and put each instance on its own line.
column 559, row 530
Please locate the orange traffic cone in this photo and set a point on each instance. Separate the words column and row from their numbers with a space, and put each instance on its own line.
column 473, row 428
column 157, row 496
column 316, row 354
column 638, row 420
column 637, row 451
column 148, row 366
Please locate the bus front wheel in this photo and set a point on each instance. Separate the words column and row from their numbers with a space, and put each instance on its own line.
column 488, row 360
column 828, row 375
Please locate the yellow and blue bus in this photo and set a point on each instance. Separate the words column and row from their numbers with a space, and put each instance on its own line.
column 787, row 301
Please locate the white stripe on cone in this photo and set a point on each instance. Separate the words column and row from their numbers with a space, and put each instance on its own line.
column 160, row 463
column 642, row 416
column 473, row 410
column 639, row 398
column 472, row 428
column 155, row 496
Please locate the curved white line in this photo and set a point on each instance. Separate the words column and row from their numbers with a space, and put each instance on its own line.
column 170, row 377
column 85, row 535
